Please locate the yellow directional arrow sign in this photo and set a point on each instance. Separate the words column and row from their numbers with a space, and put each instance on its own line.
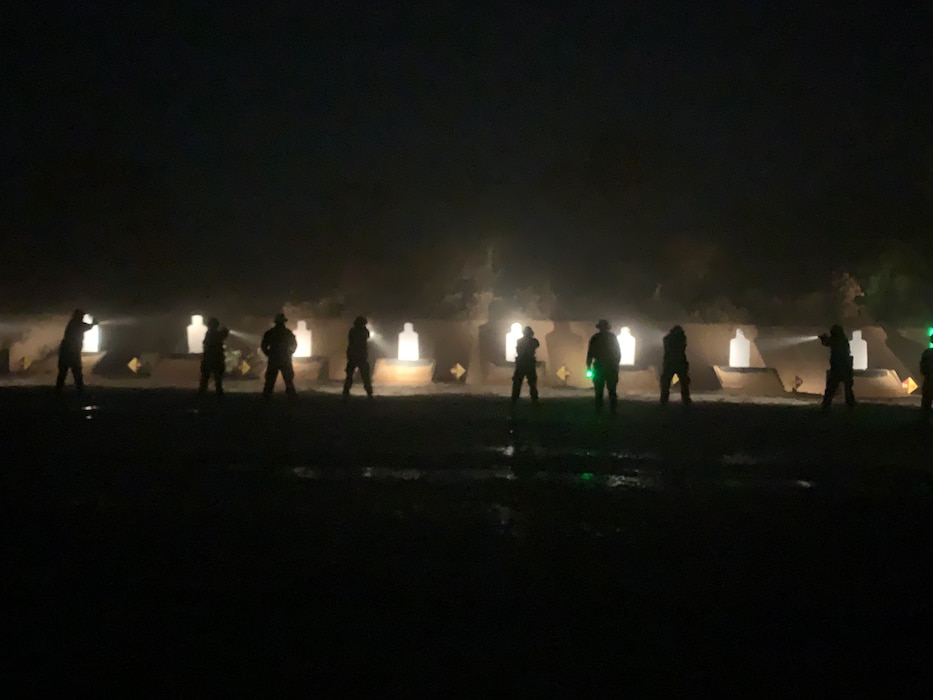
column 457, row 370
column 244, row 367
column 675, row 379
column 563, row 373
column 24, row 363
column 134, row 365
column 910, row 386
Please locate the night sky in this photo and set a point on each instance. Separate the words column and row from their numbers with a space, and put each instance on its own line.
column 266, row 151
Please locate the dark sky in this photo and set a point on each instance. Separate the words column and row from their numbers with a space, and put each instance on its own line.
column 172, row 151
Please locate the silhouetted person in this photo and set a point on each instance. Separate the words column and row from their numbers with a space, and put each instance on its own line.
column 278, row 345
column 926, row 370
column 603, row 357
column 69, row 352
column 840, row 366
column 358, row 357
column 213, row 361
column 675, row 362
column 526, row 365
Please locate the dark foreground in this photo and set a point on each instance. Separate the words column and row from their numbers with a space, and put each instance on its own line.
column 417, row 546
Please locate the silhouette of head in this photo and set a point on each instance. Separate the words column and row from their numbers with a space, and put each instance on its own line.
column 836, row 330
column 603, row 324
column 677, row 330
column 213, row 323
column 280, row 319
column 78, row 314
column 360, row 321
column 528, row 332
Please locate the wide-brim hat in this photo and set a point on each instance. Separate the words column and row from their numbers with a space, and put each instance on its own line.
column 603, row 324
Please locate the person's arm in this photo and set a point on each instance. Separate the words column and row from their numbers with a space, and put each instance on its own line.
column 266, row 346
column 589, row 353
column 292, row 344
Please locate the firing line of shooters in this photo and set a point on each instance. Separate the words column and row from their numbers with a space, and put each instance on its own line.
column 603, row 358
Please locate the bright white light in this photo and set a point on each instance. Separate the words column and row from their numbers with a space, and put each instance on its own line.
column 626, row 346
column 303, row 337
column 196, row 332
column 740, row 350
column 859, row 349
column 408, row 344
column 92, row 337
column 511, row 340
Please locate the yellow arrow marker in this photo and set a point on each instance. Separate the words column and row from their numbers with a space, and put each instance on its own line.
column 244, row 367
column 563, row 373
column 457, row 370
column 24, row 363
column 675, row 379
column 910, row 386
column 134, row 365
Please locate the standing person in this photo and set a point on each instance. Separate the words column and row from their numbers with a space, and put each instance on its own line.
column 279, row 344
column 603, row 357
column 213, row 361
column 69, row 352
column 926, row 370
column 358, row 357
column 840, row 366
column 675, row 362
column 526, row 365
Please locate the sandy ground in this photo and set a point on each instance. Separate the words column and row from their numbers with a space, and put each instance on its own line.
column 417, row 545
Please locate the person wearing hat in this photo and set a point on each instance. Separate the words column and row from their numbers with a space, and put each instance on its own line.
column 279, row 344
column 675, row 362
column 926, row 370
column 603, row 357
column 840, row 366
column 69, row 352
column 526, row 365
column 213, row 359
column 358, row 357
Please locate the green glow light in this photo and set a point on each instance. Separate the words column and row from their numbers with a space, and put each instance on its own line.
column 589, row 374
column 586, row 476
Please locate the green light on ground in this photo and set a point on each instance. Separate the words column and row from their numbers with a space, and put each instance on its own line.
column 586, row 476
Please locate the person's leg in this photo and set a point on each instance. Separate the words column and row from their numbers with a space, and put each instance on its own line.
column 685, row 387
column 926, row 397
column 219, row 380
column 832, row 383
column 205, row 377
column 272, row 372
column 612, row 382
column 517, row 378
column 666, row 378
column 78, row 373
column 367, row 378
column 850, row 394
column 533, row 384
column 62, row 375
column 599, row 386
column 288, row 376
column 348, row 382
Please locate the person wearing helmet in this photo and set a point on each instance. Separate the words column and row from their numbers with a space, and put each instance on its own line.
column 603, row 357
column 69, row 352
column 279, row 344
column 675, row 362
column 926, row 370
column 358, row 357
column 526, row 365
column 840, row 366
column 213, row 360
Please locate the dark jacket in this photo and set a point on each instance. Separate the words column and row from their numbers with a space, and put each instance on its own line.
column 675, row 350
column 214, row 344
column 604, row 351
column 357, row 345
column 279, row 344
column 840, row 357
column 74, row 337
column 525, row 350
column 926, row 363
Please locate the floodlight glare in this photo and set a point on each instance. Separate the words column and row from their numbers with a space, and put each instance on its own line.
column 408, row 344
column 303, row 339
column 626, row 347
column 740, row 350
column 511, row 340
column 91, row 337
column 196, row 332
column 859, row 350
